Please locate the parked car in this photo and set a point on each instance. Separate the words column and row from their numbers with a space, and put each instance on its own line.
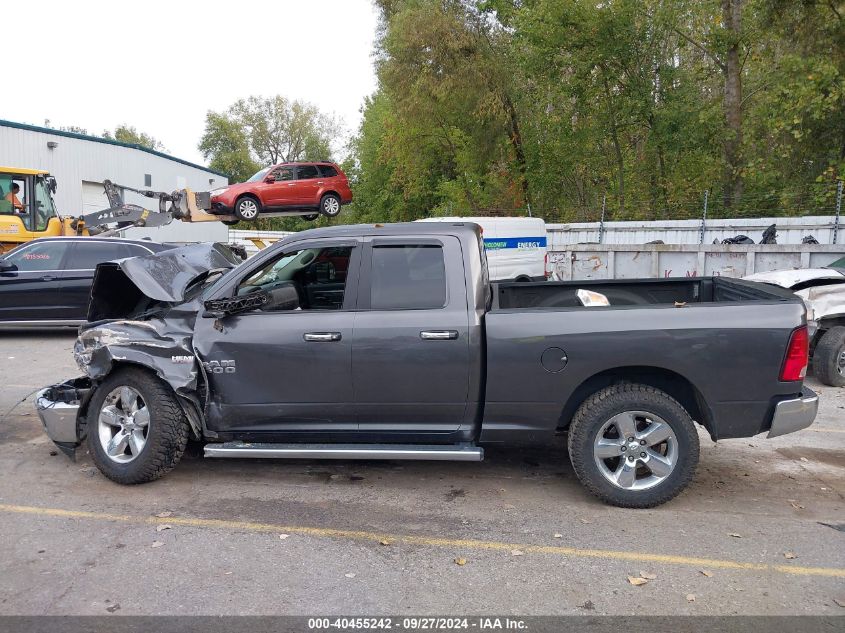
column 305, row 189
column 823, row 292
column 410, row 353
column 46, row 282
column 516, row 247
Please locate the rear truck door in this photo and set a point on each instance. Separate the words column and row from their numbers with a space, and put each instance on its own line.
column 286, row 369
column 410, row 351
column 31, row 293
column 280, row 192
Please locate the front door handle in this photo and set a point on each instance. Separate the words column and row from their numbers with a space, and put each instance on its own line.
column 322, row 337
column 439, row 335
column 47, row 278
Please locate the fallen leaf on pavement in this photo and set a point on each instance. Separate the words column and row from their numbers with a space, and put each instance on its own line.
column 282, row 537
column 558, row 535
column 113, row 607
column 385, row 541
column 795, row 504
column 637, row 581
column 461, row 561
column 690, row 597
column 157, row 544
column 517, row 552
column 162, row 527
column 789, row 555
column 735, row 535
column 706, row 573
column 585, row 521
column 647, row 575
column 164, row 515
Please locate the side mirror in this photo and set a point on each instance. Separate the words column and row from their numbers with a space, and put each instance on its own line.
column 6, row 267
column 270, row 179
column 218, row 308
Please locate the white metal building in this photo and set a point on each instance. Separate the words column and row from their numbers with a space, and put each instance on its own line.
column 80, row 163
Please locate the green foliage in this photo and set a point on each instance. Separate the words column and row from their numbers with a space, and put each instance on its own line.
column 128, row 134
column 225, row 146
column 487, row 105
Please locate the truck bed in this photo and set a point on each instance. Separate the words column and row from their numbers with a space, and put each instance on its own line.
column 634, row 292
column 724, row 338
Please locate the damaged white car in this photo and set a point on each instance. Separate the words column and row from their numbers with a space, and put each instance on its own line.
column 823, row 292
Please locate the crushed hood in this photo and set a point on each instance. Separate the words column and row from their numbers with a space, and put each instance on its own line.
column 789, row 278
column 130, row 285
column 824, row 301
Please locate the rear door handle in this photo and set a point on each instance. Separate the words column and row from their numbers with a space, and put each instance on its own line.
column 322, row 337
column 439, row 335
column 47, row 278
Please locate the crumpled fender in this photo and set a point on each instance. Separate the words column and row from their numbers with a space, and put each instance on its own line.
column 162, row 345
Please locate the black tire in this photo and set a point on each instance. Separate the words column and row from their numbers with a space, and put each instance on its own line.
column 230, row 222
column 166, row 435
column 603, row 405
column 311, row 217
column 829, row 357
column 247, row 209
column 330, row 205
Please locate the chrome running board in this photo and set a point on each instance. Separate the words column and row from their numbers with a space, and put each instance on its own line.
column 459, row 453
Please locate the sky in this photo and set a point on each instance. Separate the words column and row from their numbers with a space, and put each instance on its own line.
column 160, row 66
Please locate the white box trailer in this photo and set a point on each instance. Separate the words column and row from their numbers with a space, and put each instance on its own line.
column 516, row 247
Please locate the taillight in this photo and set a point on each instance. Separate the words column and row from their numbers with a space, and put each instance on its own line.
column 797, row 353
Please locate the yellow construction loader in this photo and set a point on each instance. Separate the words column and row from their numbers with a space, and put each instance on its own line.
column 27, row 210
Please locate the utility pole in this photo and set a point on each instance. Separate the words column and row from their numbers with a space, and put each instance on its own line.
column 703, row 217
column 601, row 222
column 838, row 209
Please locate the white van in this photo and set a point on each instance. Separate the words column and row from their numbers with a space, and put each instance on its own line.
column 516, row 247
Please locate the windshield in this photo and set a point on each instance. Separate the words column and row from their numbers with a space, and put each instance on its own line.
column 260, row 175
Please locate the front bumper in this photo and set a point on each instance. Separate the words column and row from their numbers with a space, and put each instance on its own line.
column 58, row 407
column 794, row 414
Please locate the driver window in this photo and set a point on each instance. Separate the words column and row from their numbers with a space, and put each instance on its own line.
column 13, row 197
column 283, row 173
column 306, row 279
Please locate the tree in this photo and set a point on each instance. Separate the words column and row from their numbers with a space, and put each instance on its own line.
column 225, row 146
column 128, row 134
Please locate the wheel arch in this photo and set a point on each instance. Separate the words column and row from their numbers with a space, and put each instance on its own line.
column 671, row 382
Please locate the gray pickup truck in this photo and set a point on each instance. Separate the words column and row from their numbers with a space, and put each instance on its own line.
column 389, row 342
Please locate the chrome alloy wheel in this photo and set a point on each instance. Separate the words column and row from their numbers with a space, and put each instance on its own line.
column 331, row 206
column 635, row 450
column 123, row 425
column 840, row 362
column 247, row 208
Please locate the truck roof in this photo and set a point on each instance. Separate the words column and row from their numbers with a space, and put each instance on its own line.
column 399, row 228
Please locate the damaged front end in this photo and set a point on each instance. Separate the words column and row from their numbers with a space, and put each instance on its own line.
column 142, row 313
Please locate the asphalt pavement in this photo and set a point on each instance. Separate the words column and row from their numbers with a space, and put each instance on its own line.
column 761, row 530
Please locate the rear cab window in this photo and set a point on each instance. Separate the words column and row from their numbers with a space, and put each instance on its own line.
column 407, row 277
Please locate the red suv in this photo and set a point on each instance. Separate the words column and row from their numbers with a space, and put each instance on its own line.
column 305, row 189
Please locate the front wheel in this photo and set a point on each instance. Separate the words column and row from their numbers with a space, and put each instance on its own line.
column 829, row 357
column 330, row 205
column 246, row 209
column 311, row 217
column 633, row 446
column 137, row 431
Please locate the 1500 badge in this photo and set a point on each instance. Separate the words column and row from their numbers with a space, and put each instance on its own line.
column 219, row 366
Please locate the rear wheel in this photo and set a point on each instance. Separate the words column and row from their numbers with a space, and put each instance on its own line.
column 633, row 446
column 230, row 222
column 829, row 357
column 330, row 205
column 137, row 431
column 247, row 209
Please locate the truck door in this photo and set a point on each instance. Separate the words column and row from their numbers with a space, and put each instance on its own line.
column 286, row 368
column 410, row 350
